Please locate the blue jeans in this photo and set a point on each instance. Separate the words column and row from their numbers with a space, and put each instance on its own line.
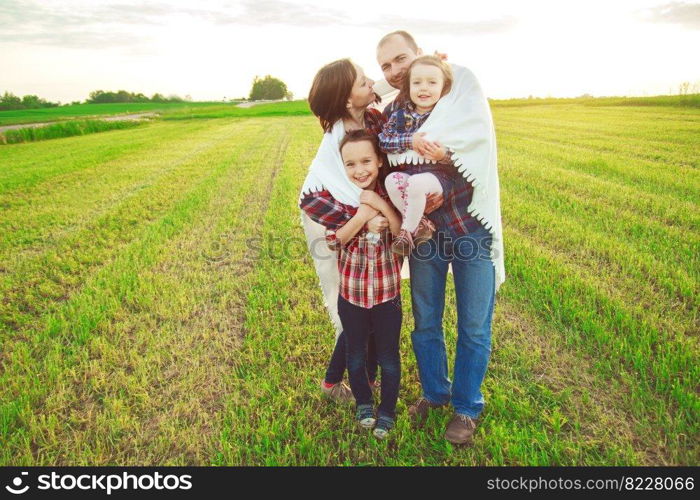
column 474, row 287
column 336, row 366
column 384, row 320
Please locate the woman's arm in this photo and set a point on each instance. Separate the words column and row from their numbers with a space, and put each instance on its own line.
column 375, row 201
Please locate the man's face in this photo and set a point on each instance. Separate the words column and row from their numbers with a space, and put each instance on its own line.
column 394, row 57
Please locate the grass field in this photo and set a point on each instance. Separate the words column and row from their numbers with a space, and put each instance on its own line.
column 83, row 110
column 159, row 306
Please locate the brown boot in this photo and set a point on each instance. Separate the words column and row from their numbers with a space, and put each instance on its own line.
column 418, row 411
column 460, row 430
column 403, row 244
column 424, row 231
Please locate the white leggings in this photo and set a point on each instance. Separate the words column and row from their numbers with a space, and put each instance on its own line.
column 408, row 192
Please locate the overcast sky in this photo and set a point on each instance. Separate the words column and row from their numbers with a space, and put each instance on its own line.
column 62, row 50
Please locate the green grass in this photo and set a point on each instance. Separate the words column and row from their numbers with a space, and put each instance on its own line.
column 83, row 110
column 292, row 108
column 64, row 129
column 159, row 305
column 682, row 101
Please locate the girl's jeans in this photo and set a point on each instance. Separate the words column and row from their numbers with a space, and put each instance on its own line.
column 385, row 321
column 337, row 364
column 474, row 287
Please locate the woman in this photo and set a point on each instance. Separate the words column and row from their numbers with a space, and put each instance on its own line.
column 340, row 96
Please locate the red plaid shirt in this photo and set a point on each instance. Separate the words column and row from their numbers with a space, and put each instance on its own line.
column 370, row 273
column 453, row 213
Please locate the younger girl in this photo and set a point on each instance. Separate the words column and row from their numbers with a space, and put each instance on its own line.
column 428, row 79
column 370, row 279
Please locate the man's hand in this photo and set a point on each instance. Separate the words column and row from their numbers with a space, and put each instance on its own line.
column 420, row 143
column 377, row 224
column 433, row 201
column 435, row 151
column 371, row 198
column 441, row 55
column 366, row 212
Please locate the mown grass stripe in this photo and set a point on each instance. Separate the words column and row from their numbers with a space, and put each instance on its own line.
column 181, row 317
column 54, row 347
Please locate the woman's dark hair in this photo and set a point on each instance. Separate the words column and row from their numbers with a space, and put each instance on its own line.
column 405, row 93
column 330, row 91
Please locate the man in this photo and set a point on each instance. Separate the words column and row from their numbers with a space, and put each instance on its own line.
column 474, row 277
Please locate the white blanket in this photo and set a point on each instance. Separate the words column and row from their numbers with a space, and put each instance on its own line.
column 461, row 120
column 328, row 172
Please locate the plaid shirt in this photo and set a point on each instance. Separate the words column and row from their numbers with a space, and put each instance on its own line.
column 397, row 134
column 452, row 214
column 370, row 274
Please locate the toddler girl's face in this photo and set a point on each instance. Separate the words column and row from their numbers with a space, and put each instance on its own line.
column 426, row 86
column 361, row 163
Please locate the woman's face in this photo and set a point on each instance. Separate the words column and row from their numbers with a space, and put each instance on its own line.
column 362, row 93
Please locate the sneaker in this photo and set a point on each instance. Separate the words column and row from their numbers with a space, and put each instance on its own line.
column 403, row 244
column 424, row 231
column 461, row 429
column 384, row 425
column 365, row 416
column 418, row 411
column 339, row 392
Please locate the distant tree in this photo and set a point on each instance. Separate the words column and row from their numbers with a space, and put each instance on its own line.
column 267, row 88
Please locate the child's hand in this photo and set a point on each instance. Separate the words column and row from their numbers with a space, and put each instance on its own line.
column 377, row 224
column 366, row 212
column 420, row 143
column 371, row 198
column 435, row 151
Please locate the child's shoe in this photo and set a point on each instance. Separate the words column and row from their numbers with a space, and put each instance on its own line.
column 403, row 244
column 365, row 416
column 384, row 425
column 339, row 392
column 424, row 231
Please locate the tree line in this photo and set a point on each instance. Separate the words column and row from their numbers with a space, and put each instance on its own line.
column 9, row 101
column 100, row 97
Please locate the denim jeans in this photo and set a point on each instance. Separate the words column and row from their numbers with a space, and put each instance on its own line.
column 338, row 362
column 385, row 321
column 474, row 288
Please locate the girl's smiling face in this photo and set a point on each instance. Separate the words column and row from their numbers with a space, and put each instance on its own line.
column 361, row 163
column 426, row 82
column 362, row 93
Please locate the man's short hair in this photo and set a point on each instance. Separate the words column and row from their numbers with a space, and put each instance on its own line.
column 403, row 34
